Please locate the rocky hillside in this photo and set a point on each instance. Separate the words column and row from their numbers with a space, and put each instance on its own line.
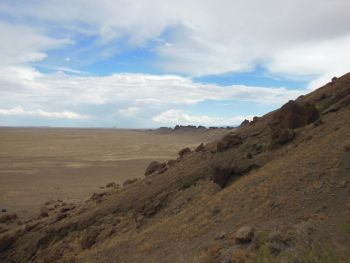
column 277, row 189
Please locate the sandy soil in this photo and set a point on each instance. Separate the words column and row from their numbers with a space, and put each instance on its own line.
column 39, row 164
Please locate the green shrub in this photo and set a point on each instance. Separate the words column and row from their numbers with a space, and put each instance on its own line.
column 188, row 182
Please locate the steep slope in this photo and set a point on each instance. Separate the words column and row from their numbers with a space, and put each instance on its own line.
column 276, row 189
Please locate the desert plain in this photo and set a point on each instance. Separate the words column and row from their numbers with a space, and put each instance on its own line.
column 70, row 164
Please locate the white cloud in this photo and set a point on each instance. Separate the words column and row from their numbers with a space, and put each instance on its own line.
column 173, row 117
column 19, row 111
column 292, row 38
column 22, row 44
column 324, row 59
column 121, row 95
column 134, row 90
column 206, row 37
column 130, row 111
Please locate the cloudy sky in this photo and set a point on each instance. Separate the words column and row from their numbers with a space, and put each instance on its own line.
column 151, row 63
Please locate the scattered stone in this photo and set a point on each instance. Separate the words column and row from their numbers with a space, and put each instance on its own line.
column 6, row 242
column 61, row 216
column 318, row 123
column 152, row 208
column 3, row 210
column 282, row 137
column 216, row 210
column 229, row 141
column 334, row 80
column 184, row 152
column 111, row 185
column 220, row 235
column 347, row 148
column 8, row 218
column 255, row 119
column 67, row 208
column 249, row 155
column 199, row 148
column 244, row 234
column 323, row 96
column 139, row 218
column 44, row 212
column 171, row 162
column 89, row 238
column 129, row 181
column 343, row 184
column 97, row 196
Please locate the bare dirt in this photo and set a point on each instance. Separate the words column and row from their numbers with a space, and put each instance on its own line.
column 39, row 164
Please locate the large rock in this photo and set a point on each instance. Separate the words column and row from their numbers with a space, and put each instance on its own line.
column 8, row 218
column 245, row 123
column 153, row 167
column 229, row 141
column 282, row 136
column 89, row 238
column 222, row 175
column 199, row 148
column 244, row 234
column 294, row 115
column 184, row 152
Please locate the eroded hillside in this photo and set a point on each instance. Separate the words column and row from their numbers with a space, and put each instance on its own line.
column 274, row 190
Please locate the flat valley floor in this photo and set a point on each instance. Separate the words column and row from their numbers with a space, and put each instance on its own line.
column 39, row 164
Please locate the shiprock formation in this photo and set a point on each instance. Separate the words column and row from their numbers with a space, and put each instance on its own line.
column 275, row 189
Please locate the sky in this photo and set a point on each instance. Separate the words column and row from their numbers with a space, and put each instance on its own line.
column 152, row 63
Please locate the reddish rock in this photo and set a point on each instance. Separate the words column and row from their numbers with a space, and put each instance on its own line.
column 222, row 175
column 294, row 115
column 229, row 141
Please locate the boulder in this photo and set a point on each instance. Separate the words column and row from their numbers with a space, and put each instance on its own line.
column 89, row 238
column 111, row 185
column 244, row 234
column 171, row 162
column 229, row 141
column 44, row 212
column 199, row 148
column 282, row 136
column 184, row 152
column 294, row 115
column 222, row 175
column 290, row 116
column 153, row 167
column 245, row 123
column 129, row 181
column 8, row 218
